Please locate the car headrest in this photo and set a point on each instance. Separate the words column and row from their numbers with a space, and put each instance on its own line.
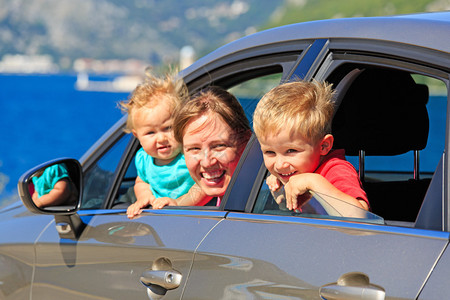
column 383, row 112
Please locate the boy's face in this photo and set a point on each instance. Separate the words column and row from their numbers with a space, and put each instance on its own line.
column 153, row 129
column 285, row 155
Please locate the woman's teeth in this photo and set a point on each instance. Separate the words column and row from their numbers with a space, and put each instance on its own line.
column 212, row 175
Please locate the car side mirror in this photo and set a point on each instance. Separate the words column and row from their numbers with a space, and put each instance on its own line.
column 52, row 188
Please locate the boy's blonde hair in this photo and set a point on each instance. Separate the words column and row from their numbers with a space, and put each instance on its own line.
column 302, row 107
column 152, row 91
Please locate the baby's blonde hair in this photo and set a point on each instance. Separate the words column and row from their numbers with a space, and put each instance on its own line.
column 301, row 107
column 152, row 91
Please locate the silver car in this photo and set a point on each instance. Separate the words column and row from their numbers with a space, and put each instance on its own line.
column 391, row 75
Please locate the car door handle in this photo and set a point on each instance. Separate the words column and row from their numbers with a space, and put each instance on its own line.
column 160, row 278
column 352, row 286
column 167, row 279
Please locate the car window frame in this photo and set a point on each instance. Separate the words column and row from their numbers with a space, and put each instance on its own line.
column 416, row 60
column 233, row 72
column 124, row 162
column 334, row 53
column 309, row 60
column 222, row 70
column 228, row 72
column 108, row 140
column 307, row 63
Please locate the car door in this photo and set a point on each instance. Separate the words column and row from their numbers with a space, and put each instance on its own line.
column 17, row 255
column 256, row 253
column 113, row 254
column 291, row 257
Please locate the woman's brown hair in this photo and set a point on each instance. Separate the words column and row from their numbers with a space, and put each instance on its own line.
column 213, row 99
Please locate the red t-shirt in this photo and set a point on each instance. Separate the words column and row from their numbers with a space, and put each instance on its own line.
column 340, row 173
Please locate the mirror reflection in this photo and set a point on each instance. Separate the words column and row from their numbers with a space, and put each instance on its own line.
column 52, row 186
column 123, row 233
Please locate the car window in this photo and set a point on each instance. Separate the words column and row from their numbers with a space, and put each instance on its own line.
column 99, row 177
column 392, row 125
column 402, row 165
column 125, row 195
column 317, row 205
column 250, row 92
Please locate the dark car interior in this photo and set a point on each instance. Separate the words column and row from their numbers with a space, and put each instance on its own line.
column 384, row 113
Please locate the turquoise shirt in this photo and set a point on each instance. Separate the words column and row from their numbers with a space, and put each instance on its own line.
column 45, row 183
column 171, row 180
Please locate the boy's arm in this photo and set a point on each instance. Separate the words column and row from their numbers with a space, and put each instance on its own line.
column 302, row 183
column 144, row 198
column 194, row 197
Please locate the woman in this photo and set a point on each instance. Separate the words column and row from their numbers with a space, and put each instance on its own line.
column 213, row 129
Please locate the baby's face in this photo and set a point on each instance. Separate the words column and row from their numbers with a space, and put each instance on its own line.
column 153, row 128
column 285, row 155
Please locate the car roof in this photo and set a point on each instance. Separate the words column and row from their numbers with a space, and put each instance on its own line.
column 429, row 30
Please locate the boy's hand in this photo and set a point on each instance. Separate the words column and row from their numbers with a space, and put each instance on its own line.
column 273, row 183
column 296, row 191
column 159, row 203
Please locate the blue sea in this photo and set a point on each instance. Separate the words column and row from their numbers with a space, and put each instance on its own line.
column 45, row 117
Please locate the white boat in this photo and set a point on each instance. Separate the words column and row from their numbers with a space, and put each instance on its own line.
column 125, row 83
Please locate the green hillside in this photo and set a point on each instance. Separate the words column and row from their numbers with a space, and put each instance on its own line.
column 295, row 11
column 154, row 31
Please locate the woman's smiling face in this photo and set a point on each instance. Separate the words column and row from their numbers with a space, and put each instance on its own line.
column 211, row 152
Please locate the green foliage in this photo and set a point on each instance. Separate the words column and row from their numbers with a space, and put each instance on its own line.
column 154, row 31
column 296, row 11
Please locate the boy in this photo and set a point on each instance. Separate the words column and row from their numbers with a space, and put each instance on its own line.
column 163, row 178
column 293, row 125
